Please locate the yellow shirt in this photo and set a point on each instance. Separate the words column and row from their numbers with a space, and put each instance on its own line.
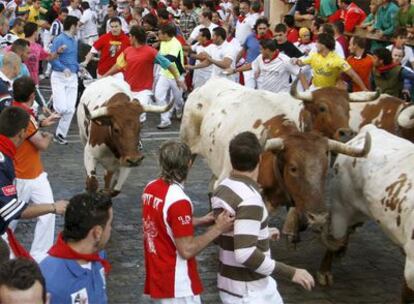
column 34, row 15
column 172, row 49
column 326, row 70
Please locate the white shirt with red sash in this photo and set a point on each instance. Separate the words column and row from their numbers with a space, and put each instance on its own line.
column 167, row 214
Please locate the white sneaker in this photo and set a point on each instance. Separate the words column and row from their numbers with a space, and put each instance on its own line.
column 164, row 125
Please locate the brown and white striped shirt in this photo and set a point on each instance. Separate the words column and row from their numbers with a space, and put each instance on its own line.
column 245, row 259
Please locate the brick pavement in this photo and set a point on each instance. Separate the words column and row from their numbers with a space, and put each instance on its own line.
column 371, row 271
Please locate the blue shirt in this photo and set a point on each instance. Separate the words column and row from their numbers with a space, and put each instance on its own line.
column 69, row 58
column 67, row 281
column 252, row 46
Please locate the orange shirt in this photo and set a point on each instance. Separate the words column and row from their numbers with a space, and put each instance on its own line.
column 27, row 162
column 363, row 67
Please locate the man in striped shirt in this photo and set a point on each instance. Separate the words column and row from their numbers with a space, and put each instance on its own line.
column 246, row 267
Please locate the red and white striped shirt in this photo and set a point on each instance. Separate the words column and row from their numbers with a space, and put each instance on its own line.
column 167, row 214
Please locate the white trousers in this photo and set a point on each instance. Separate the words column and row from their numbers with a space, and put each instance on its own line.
column 268, row 295
column 64, row 91
column 38, row 191
column 183, row 300
column 163, row 87
column 145, row 98
column 249, row 80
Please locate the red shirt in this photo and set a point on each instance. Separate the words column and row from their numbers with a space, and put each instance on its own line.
column 110, row 47
column 139, row 69
column 363, row 67
column 292, row 35
column 167, row 213
column 352, row 16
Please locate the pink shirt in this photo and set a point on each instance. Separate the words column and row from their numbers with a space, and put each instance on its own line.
column 36, row 54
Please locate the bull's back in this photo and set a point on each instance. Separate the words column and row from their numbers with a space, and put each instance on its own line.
column 381, row 112
column 236, row 112
column 382, row 182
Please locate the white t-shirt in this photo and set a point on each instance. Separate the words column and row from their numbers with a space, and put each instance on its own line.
column 219, row 52
column 244, row 28
column 124, row 25
column 74, row 12
column 196, row 31
column 408, row 54
column 200, row 76
column 274, row 75
column 89, row 21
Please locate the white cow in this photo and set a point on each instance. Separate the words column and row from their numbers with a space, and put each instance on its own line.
column 378, row 187
column 109, row 129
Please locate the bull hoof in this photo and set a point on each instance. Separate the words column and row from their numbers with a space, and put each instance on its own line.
column 324, row 278
column 111, row 193
column 115, row 193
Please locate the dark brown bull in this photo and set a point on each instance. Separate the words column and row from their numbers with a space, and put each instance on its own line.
column 327, row 110
column 111, row 134
column 293, row 172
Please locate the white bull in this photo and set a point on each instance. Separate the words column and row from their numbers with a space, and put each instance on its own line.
column 378, row 187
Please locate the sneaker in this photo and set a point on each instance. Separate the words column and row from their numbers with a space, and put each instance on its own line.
column 178, row 114
column 60, row 139
column 140, row 145
column 164, row 125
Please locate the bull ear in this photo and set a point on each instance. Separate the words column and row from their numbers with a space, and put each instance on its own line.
column 102, row 120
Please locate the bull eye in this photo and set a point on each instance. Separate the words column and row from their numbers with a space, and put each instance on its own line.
column 293, row 170
column 116, row 130
column 322, row 108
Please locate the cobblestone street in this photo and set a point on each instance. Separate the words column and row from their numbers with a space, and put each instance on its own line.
column 371, row 271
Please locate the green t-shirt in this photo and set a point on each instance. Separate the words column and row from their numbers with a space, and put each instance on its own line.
column 327, row 8
column 405, row 18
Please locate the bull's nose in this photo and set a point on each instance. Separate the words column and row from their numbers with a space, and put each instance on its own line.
column 317, row 221
column 344, row 134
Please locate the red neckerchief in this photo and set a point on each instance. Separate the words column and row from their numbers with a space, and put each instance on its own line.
column 273, row 57
column 387, row 67
column 241, row 18
column 229, row 39
column 24, row 107
column 64, row 251
column 18, row 250
column 207, row 43
column 267, row 35
column 7, row 146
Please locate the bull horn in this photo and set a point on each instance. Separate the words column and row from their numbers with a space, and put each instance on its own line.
column 157, row 109
column 346, row 149
column 406, row 118
column 364, row 96
column 263, row 137
column 305, row 96
column 274, row 144
column 103, row 111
